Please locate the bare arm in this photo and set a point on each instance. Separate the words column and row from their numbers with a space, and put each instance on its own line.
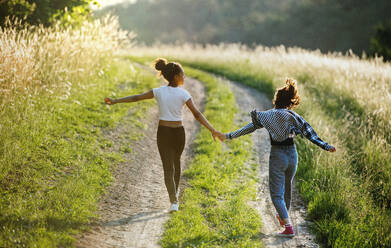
column 200, row 117
column 134, row 98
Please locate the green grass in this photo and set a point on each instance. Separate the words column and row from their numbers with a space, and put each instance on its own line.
column 342, row 198
column 53, row 158
column 214, row 210
column 359, row 130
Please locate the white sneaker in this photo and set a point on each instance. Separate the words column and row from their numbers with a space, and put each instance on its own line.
column 174, row 207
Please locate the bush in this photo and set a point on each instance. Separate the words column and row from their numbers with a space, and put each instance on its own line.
column 381, row 41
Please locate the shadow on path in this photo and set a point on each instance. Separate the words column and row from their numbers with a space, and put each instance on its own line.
column 138, row 217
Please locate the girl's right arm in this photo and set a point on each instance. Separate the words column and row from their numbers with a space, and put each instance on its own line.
column 134, row 98
column 201, row 118
column 249, row 128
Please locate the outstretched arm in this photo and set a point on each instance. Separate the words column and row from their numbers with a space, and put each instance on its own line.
column 311, row 135
column 201, row 118
column 134, row 98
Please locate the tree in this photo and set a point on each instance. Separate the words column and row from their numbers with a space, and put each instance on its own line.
column 381, row 41
column 44, row 11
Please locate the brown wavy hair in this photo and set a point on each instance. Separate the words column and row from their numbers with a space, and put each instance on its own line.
column 287, row 96
column 168, row 70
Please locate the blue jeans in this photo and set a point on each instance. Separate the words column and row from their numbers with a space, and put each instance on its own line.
column 282, row 169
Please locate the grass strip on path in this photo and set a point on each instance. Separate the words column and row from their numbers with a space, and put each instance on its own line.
column 53, row 158
column 214, row 210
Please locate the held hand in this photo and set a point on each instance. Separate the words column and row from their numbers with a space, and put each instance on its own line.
column 222, row 137
column 109, row 101
column 219, row 135
column 214, row 134
column 332, row 149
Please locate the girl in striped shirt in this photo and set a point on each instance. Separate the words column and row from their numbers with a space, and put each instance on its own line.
column 283, row 125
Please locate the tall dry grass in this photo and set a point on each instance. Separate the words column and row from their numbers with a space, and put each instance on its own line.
column 368, row 80
column 35, row 58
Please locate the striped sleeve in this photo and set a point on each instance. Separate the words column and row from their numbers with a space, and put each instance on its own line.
column 249, row 128
column 310, row 134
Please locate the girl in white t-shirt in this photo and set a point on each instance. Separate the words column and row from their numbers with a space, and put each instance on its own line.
column 170, row 134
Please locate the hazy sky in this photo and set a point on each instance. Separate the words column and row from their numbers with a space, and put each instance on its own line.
column 105, row 3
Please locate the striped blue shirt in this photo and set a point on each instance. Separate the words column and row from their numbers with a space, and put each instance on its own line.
column 281, row 125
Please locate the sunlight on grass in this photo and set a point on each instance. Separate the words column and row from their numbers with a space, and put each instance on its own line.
column 347, row 100
column 53, row 162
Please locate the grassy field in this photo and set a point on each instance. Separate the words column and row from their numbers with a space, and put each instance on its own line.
column 347, row 100
column 54, row 165
column 53, row 161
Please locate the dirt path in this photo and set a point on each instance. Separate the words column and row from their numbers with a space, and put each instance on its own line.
column 247, row 99
column 134, row 208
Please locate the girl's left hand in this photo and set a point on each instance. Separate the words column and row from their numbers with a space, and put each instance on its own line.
column 219, row 135
column 109, row 101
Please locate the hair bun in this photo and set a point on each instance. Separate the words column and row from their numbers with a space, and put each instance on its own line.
column 291, row 83
column 160, row 64
column 291, row 87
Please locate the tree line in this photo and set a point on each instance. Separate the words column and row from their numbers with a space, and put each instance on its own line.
column 328, row 25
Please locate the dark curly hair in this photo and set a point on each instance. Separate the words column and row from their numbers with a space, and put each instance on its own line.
column 168, row 70
column 287, row 96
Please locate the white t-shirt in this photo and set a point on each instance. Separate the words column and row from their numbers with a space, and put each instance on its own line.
column 170, row 101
